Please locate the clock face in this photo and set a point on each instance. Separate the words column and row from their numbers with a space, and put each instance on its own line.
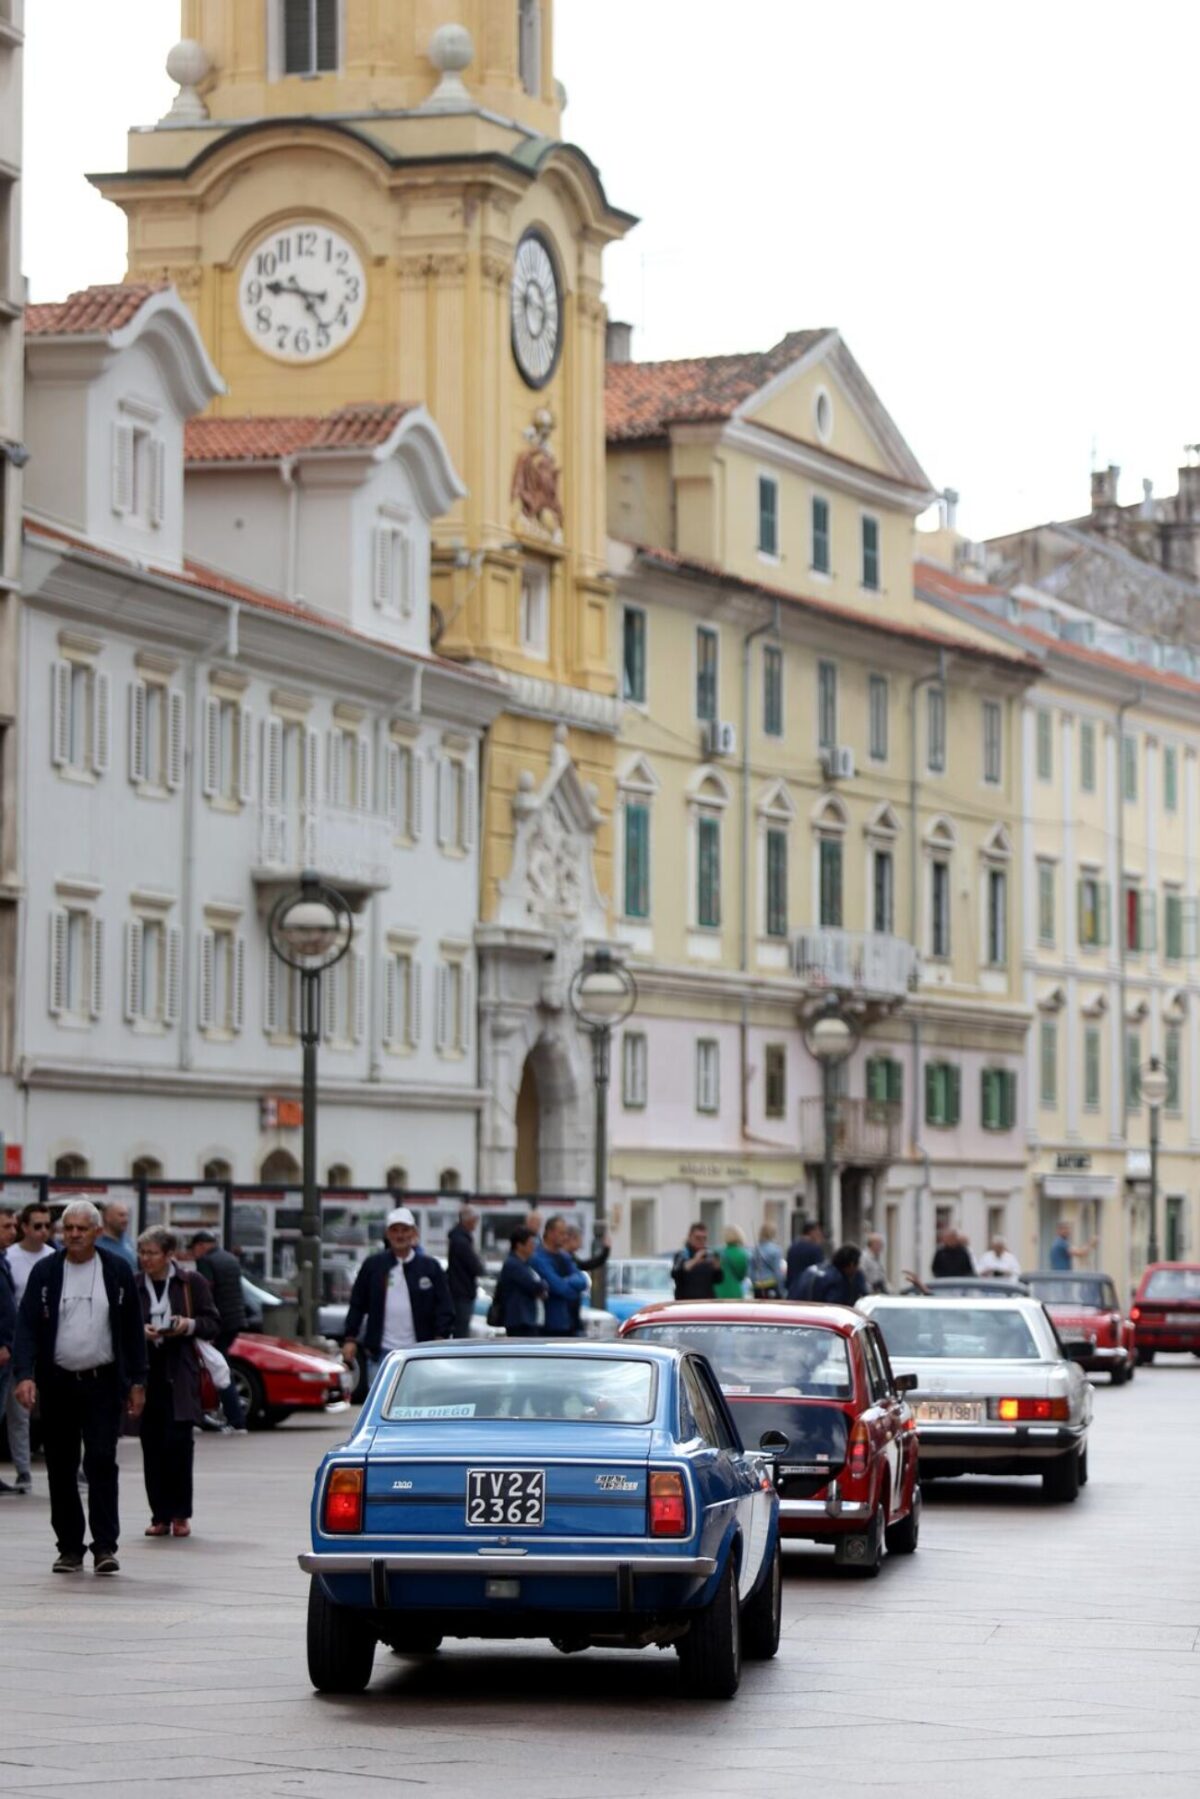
column 302, row 293
column 536, row 310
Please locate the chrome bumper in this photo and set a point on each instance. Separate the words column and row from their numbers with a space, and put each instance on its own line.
column 833, row 1507
column 512, row 1561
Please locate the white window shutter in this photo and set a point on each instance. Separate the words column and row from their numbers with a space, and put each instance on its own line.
column 331, row 1001
column 275, row 971
column 60, row 713
column 381, row 584
column 122, row 468
column 137, row 731
column 58, row 961
column 442, row 1003
column 239, row 981
column 464, row 1009
column 391, row 785
column 212, row 747
column 158, row 480
column 133, row 969
column 101, row 720
column 445, row 800
column 416, row 795
column 469, row 807
column 358, row 982
column 415, row 980
column 333, row 769
column 363, row 798
column 245, row 755
column 204, row 1002
column 391, row 1002
column 272, row 771
column 97, row 968
column 172, row 986
column 175, row 747
column 312, row 766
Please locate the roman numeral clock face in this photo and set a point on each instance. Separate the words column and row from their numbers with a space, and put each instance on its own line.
column 536, row 310
column 302, row 293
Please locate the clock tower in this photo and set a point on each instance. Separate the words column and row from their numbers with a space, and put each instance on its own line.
column 371, row 199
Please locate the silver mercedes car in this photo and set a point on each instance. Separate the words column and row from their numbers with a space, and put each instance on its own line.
column 998, row 1391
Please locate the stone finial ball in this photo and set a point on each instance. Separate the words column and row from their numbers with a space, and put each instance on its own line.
column 451, row 49
column 187, row 62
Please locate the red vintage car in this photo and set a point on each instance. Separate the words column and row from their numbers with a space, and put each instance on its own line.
column 277, row 1377
column 812, row 1385
column 1086, row 1305
column 1166, row 1309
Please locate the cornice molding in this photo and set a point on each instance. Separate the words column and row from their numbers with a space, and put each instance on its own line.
column 176, row 1083
column 831, row 471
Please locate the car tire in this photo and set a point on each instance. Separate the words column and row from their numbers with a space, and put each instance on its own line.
column 248, row 1382
column 762, row 1618
column 273, row 1415
column 1060, row 1481
column 1145, row 1357
column 902, row 1537
column 1083, row 1467
column 416, row 1644
column 1121, row 1373
column 341, row 1646
column 711, row 1653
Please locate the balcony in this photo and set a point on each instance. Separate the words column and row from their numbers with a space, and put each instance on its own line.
column 863, row 965
column 351, row 850
column 868, row 1130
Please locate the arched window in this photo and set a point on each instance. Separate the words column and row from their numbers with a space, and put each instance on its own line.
column 280, row 1169
column 147, row 1168
column 396, row 1178
column 218, row 1169
column 449, row 1181
column 338, row 1175
column 71, row 1168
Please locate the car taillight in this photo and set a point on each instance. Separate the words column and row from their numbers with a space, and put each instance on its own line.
column 1135, row 1313
column 667, row 1506
column 344, row 1500
column 1016, row 1411
column 859, row 1456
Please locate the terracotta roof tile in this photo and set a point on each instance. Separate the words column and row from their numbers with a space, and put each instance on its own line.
column 93, row 311
column 643, row 398
column 249, row 439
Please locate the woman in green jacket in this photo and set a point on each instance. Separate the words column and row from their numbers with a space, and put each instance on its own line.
column 735, row 1265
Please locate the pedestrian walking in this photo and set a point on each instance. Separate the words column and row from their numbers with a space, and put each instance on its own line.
column 767, row 1275
column 464, row 1269
column 223, row 1272
column 519, row 1302
column 696, row 1268
column 400, row 1297
column 874, row 1272
column 81, row 1353
column 735, row 1265
column 177, row 1308
column 841, row 1281
column 806, row 1251
column 566, row 1284
column 8, row 1319
column 115, row 1235
column 31, row 1247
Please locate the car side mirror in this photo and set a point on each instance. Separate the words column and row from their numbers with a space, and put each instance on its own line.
column 906, row 1383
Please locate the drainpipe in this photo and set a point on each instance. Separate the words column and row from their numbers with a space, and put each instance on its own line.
column 1118, row 906
column 287, row 474
column 769, row 626
column 914, row 794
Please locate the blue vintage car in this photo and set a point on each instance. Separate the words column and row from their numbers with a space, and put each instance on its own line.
column 595, row 1494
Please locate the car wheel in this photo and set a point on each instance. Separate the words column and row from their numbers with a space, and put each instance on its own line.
column 862, row 1552
column 1060, row 1482
column 1083, row 1468
column 417, row 1644
column 273, row 1415
column 902, row 1537
column 1145, row 1356
column 1120, row 1373
column 250, row 1391
column 762, row 1618
column 711, row 1653
column 341, row 1646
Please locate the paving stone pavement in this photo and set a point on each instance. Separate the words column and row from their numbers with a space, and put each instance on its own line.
column 1050, row 1651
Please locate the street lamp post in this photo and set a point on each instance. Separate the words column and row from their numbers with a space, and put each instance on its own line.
column 831, row 1036
column 309, row 929
column 1156, row 1084
column 603, row 994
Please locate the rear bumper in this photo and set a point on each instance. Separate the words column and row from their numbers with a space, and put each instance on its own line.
column 979, row 1445
column 1107, row 1357
column 516, row 1562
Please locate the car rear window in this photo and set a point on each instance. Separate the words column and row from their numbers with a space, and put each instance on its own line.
column 792, row 1361
column 960, row 1333
column 1071, row 1290
column 1173, row 1283
column 810, row 1433
column 570, row 1389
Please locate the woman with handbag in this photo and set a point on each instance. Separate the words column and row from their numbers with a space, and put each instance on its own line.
column 178, row 1313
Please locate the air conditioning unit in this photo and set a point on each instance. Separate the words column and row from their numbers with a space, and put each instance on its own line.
column 837, row 764
column 720, row 738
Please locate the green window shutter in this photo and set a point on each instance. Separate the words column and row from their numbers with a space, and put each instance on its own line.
column 1170, row 779
column 1087, row 756
column 1009, row 1099
column 768, row 516
column 1045, row 747
column 988, row 1096
column 708, row 907
column 1171, row 1061
column 637, row 860
column 1091, row 1066
column 895, row 1081
column 634, row 665
column 876, row 1080
column 777, row 883
column 831, row 882
column 933, row 1094
column 953, row 1093
column 1105, row 919
column 1173, row 920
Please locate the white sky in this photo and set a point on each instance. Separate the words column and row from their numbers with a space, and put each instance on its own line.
column 989, row 201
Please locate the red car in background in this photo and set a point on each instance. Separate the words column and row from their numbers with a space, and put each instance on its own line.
column 1086, row 1305
column 1166, row 1309
column 812, row 1385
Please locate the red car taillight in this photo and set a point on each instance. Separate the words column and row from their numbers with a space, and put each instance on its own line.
column 667, row 1506
column 344, row 1501
column 859, row 1456
column 1016, row 1411
column 1135, row 1313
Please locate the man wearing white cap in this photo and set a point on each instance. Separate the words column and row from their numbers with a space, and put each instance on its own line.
column 400, row 1296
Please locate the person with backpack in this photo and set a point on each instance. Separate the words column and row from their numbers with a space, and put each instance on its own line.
column 519, row 1300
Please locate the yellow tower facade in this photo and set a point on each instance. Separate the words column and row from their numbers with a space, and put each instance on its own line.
column 366, row 200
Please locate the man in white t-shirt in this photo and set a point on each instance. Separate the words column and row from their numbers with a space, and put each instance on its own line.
column 32, row 1246
column 999, row 1260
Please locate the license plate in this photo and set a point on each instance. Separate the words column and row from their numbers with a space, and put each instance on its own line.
column 1182, row 1318
column 788, row 1468
column 506, row 1496
column 950, row 1411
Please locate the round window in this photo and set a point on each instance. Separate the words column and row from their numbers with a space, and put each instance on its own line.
column 823, row 413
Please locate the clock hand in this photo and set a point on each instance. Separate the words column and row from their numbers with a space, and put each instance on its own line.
column 292, row 286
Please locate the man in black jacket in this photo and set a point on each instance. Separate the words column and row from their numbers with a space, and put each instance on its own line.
column 223, row 1272
column 463, row 1269
column 8, row 1318
column 81, row 1349
column 400, row 1297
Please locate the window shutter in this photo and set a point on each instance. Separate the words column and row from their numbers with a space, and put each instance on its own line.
column 333, row 769
column 272, row 769
column 895, row 1082
column 101, row 720
column 137, row 731
column 58, row 961
column 416, row 981
column 988, row 1111
column 953, row 1093
column 464, row 1009
column 381, row 584
column 239, row 981
column 245, row 755
column 204, row 1004
column 445, row 801
column 333, row 1006
column 1105, row 913
column 391, row 1002
column 363, row 796
column 1148, row 919
column 60, row 713
column 173, row 984
column 133, row 969
column 1010, row 1099
column 416, row 817
column 312, row 768
column 158, row 480
column 468, row 809
column 933, row 1109
column 275, row 973
column 212, row 747
column 1081, row 909
column 442, row 1005
column 175, row 748
column 97, row 968
column 391, row 787
column 122, row 468
column 1187, row 927
column 358, row 984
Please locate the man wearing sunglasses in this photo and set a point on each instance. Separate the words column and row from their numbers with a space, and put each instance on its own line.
column 32, row 1246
